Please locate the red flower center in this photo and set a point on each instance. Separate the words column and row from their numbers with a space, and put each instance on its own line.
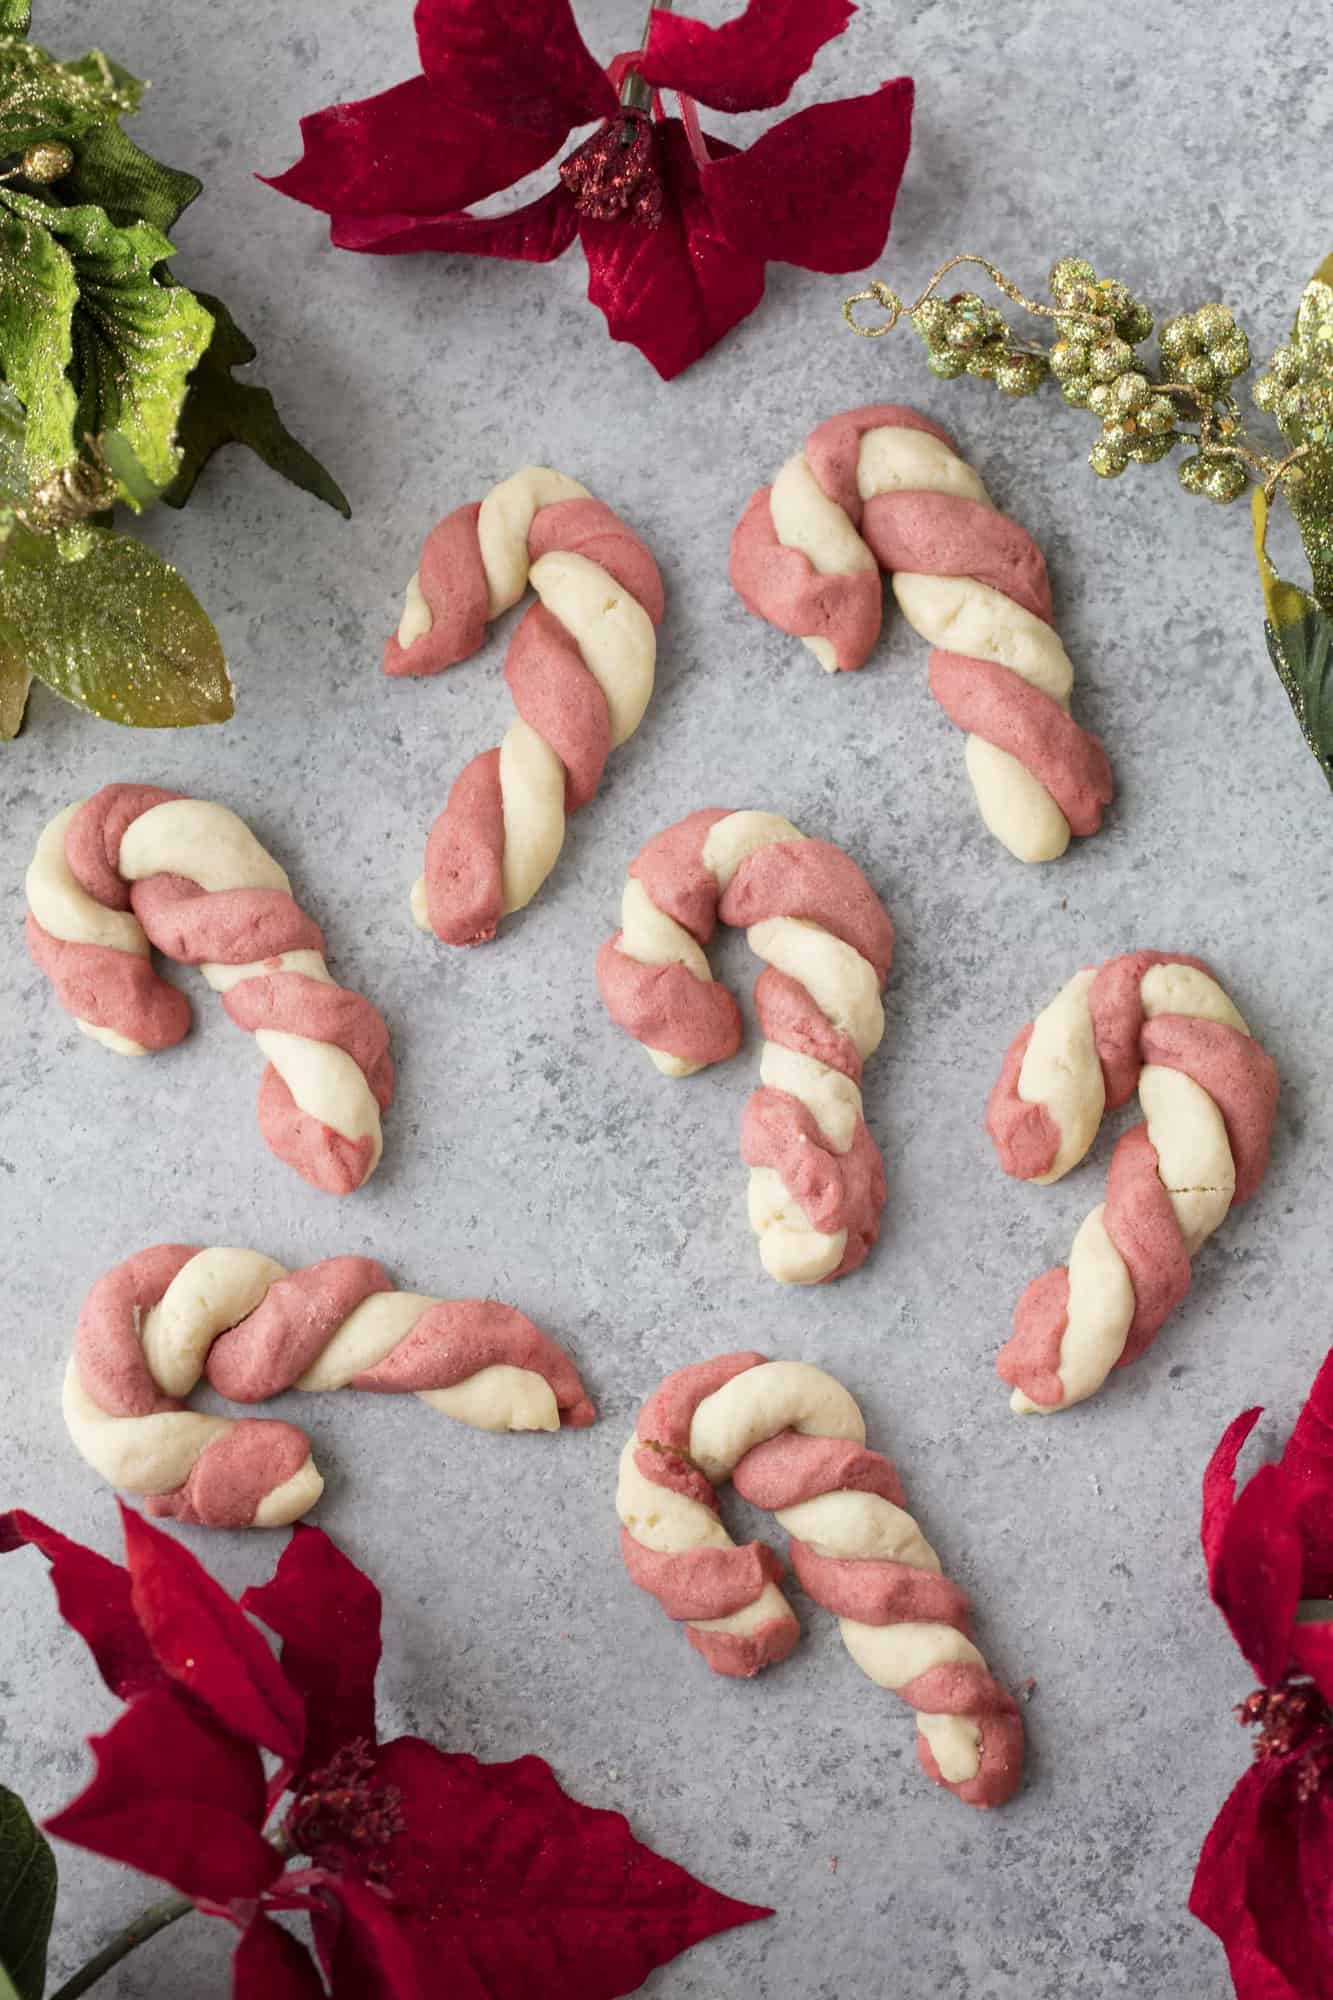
column 614, row 173
column 343, row 1818
column 1294, row 1721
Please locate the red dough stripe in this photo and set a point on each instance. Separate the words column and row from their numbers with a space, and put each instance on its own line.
column 456, row 1338
column 939, row 534
column 667, row 1008
column 111, row 989
column 879, row 1592
column 997, row 704
column 701, row 1583
column 817, row 883
column 1239, row 1076
column 291, row 1326
column 666, row 1417
column 234, row 1474
column 108, row 1349
column 789, row 1468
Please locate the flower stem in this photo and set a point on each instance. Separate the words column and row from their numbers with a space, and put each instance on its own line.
column 147, row 1924
column 635, row 94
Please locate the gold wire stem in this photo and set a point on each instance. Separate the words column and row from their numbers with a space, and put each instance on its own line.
column 880, row 294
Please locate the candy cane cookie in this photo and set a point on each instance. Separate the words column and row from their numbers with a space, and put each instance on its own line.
column 816, row 1179
column 150, row 1328
column 580, row 670
column 1161, row 1022
column 134, row 866
column 791, row 1438
column 883, row 488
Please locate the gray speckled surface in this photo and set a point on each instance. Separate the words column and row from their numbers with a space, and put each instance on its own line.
column 531, row 1152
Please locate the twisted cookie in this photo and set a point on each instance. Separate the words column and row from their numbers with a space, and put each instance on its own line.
column 1209, row 1091
column 135, row 865
column 152, row 1326
column 882, row 488
column 580, row 670
column 790, row 1438
column 817, row 1179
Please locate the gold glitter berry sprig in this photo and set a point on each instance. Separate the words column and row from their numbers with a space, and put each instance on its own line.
column 1189, row 400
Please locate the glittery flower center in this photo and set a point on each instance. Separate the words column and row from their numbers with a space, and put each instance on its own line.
column 1294, row 1722
column 343, row 1818
column 614, row 173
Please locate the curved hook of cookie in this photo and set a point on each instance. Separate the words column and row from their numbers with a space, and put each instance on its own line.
column 135, row 866
column 580, row 670
column 792, row 1439
column 883, row 488
column 154, row 1325
column 1161, row 1023
column 817, row 1179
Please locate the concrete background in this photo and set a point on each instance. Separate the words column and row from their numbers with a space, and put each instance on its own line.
column 532, row 1154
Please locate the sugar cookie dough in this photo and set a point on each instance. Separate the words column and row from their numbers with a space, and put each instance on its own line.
column 791, row 1438
column 150, row 1328
column 881, row 488
column 1161, row 1024
column 816, row 1179
column 135, row 866
column 580, row 669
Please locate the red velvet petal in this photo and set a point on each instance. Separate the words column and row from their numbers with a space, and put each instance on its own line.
column 1307, row 1463
column 327, row 1613
column 270, row 1964
column 1257, row 1580
column 538, row 232
column 93, row 1594
column 1287, row 1884
column 176, row 1797
column 501, row 1870
column 1217, row 1898
column 207, row 1644
column 749, row 63
column 370, row 1955
column 818, row 189
column 406, row 149
column 674, row 290
column 1219, row 1488
column 517, row 62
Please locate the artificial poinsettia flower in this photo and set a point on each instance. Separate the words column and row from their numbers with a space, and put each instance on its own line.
column 1265, row 1877
column 421, row 1871
column 676, row 224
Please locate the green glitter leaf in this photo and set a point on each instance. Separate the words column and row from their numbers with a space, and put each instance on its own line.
column 120, row 90
column 41, row 98
column 13, row 465
column 135, row 340
column 15, row 16
column 220, row 410
column 38, row 294
column 118, row 633
column 27, row 1897
column 15, row 682
column 1302, row 652
column 1313, row 334
column 1299, row 635
column 128, row 183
